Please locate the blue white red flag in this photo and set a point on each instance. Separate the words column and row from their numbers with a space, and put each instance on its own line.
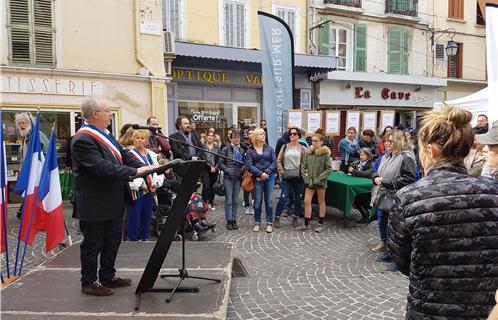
column 27, row 186
column 49, row 193
column 3, row 191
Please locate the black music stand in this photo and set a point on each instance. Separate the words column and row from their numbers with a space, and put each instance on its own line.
column 175, row 218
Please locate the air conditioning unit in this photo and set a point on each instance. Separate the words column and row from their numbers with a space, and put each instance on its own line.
column 169, row 42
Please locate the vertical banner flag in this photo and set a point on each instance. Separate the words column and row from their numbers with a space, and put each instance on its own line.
column 3, row 190
column 492, row 60
column 27, row 185
column 49, row 193
column 277, row 49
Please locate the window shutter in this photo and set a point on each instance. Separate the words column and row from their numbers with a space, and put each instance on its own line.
column 360, row 59
column 241, row 25
column 440, row 51
column 393, row 50
column 228, row 23
column 43, row 35
column 324, row 34
column 404, row 51
column 19, row 31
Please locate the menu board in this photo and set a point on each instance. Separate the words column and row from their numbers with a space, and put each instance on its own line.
column 332, row 122
column 313, row 121
column 386, row 119
column 370, row 120
column 352, row 120
column 295, row 118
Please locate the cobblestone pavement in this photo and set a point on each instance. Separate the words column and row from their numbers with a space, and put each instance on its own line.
column 292, row 275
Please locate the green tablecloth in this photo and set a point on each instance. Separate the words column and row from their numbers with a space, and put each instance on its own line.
column 342, row 190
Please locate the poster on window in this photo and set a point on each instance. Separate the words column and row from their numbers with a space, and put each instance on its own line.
column 352, row 120
column 370, row 120
column 313, row 121
column 332, row 122
column 295, row 118
column 386, row 119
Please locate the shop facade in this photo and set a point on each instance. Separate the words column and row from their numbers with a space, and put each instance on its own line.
column 57, row 95
column 220, row 86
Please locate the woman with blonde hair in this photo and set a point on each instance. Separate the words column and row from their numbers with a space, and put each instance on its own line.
column 443, row 229
column 397, row 169
column 140, row 212
column 262, row 163
column 315, row 169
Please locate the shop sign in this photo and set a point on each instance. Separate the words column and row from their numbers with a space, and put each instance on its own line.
column 216, row 77
column 386, row 93
column 38, row 85
column 205, row 115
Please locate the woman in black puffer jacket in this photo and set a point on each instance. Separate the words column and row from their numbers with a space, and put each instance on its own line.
column 443, row 230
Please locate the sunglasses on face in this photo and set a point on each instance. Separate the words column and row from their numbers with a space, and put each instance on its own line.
column 294, row 134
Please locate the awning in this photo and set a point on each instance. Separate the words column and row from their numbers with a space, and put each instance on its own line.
column 312, row 63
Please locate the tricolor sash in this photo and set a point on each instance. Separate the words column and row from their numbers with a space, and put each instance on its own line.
column 103, row 138
column 145, row 160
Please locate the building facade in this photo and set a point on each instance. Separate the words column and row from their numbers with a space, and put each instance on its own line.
column 217, row 78
column 57, row 52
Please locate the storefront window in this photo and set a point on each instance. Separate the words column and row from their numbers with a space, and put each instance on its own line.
column 208, row 115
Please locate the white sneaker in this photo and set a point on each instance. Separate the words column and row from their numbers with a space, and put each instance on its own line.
column 269, row 228
column 256, row 228
column 212, row 208
column 319, row 229
column 248, row 211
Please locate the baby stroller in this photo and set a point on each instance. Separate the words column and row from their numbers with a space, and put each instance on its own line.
column 196, row 217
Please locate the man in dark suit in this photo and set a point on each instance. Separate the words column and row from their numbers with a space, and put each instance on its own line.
column 101, row 169
column 183, row 150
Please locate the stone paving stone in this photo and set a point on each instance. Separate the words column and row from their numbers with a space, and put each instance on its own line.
column 291, row 275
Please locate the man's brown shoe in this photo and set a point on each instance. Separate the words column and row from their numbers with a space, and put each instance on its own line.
column 116, row 282
column 381, row 247
column 96, row 289
column 295, row 223
column 276, row 223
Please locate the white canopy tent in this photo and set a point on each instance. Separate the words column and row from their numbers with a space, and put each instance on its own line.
column 477, row 103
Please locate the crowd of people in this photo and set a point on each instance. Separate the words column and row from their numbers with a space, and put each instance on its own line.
column 435, row 195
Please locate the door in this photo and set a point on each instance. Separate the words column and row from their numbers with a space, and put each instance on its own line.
column 247, row 116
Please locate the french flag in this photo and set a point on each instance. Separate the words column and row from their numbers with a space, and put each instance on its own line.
column 49, row 193
column 27, row 185
column 3, row 191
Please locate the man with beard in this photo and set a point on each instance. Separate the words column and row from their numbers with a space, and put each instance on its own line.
column 184, row 150
column 23, row 124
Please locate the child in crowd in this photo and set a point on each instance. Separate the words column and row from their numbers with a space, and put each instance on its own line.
column 364, row 166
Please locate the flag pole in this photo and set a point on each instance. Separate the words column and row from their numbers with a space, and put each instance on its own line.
column 29, row 231
column 4, row 226
column 19, row 236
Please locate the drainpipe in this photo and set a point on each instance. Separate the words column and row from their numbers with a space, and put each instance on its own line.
column 138, row 53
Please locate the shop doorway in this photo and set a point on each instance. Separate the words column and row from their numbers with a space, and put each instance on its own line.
column 247, row 116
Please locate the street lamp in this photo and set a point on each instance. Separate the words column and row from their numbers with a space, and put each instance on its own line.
column 451, row 46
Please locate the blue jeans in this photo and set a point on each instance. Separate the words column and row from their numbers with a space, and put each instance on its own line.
column 232, row 191
column 246, row 199
column 138, row 218
column 264, row 189
column 291, row 188
column 382, row 221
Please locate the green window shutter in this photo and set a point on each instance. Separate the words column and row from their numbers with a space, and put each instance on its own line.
column 31, row 32
column 43, row 35
column 360, row 48
column 324, row 36
column 394, row 50
column 404, row 51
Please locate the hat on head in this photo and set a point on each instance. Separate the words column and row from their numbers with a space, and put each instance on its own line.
column 491, row 137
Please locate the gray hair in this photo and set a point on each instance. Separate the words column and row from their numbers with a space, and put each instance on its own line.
column 23, row 116
column 89, row 105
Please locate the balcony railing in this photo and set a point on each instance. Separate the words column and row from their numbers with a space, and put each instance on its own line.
column 349, row 3
column 403, row 7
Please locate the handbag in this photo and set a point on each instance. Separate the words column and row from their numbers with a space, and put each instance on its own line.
column 218, row 187
column 247, row 181
column 385, row 202
column 291, row 174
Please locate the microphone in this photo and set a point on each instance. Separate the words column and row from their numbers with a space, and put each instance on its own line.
column 151, row 128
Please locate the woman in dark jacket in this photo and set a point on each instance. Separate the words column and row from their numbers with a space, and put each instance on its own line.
column 443, row 230
column 210, row 173
column 232, row 177
column 262, row 163
column 397, row 169
column 363, row 167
